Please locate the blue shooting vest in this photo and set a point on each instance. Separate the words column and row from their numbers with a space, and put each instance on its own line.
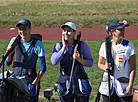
column 80, row 83
column 25, row 64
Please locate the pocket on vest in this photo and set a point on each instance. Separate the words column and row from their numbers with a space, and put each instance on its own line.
column 120, row 87
column 104, row 88
column 63, row 87
column 33, row 89
column 83, row 86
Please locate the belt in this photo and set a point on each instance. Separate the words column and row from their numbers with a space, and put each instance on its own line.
column 17, row 64
column 123, row 80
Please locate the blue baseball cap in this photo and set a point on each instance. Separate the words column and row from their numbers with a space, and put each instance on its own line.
column 24, row 22
column 117, row 24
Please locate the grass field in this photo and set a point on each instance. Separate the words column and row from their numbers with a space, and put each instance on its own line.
column 53, row 13
column 52, row 73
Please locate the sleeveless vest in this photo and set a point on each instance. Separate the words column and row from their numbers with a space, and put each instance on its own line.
column 122, row 60
column 25, row 63
column 79, row 78
column 66, row 65
column 120, row 78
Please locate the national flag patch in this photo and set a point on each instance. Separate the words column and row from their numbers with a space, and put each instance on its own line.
column 120, row 59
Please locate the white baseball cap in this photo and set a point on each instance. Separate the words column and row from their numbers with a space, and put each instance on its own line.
column 69, row 24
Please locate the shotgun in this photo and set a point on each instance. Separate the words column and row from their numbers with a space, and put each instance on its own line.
column 75, row 51
column 17, row 39
column 108, row 58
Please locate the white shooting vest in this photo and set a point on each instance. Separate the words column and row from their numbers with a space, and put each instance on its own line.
column 121, row 54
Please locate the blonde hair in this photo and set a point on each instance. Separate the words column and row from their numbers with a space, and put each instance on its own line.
column 108, row 32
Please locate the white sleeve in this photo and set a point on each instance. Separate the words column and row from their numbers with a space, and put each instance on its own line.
column 102, row 51
column 132, row 49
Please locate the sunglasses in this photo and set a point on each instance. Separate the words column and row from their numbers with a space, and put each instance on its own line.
column 118, row 24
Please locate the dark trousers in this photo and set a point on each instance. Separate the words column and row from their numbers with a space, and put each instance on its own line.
column 75, row 97
column 116, row 98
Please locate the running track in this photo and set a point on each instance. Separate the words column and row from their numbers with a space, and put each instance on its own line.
column 55, row 33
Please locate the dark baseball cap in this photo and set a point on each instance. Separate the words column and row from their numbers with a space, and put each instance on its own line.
column 117, row 24
column 24, row 22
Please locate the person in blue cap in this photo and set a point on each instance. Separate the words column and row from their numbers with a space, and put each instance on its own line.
column 124, row 67
column 63, row 53
column 25, row 54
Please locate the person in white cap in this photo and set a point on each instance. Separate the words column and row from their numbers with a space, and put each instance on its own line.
column 63, row 53
column 123, row 68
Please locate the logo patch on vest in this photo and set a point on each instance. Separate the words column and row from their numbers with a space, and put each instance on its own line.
column 120, row 59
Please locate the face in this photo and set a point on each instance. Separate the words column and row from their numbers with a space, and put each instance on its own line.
column 119, row 33
column 24, row 31
column 68, row 33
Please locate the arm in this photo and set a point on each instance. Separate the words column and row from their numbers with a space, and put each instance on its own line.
column 132, row 62
column 13, row 42
column 57, row 54
column 87, row 55
column 10, row 56
column 42, row 62
column 79, row 59
column 87, row 59
column 9, row 59
column 39, row 76
column 101, row 64
column 102, row 57
column 132, row 65
column 39, row 50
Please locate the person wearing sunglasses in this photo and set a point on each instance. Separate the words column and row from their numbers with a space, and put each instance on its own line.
column 123, row 67
column 25, row 54
column 64, row 54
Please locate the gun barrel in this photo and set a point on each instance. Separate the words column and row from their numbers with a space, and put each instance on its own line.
column 108, row 58
column 17, row 39
column 75, row 50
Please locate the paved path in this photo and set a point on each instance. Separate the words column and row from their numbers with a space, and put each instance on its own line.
column 55, row 33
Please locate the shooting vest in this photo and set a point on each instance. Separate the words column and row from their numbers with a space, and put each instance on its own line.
column 25, row 63
column 120, row 78
column 79, row 74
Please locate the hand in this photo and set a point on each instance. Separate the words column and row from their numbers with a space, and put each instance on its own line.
column 64, row 43
column 128, row 90
column 10, row 48
column 34, row 83
column 63, row 39
column 76, row 55
column 107, row 66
